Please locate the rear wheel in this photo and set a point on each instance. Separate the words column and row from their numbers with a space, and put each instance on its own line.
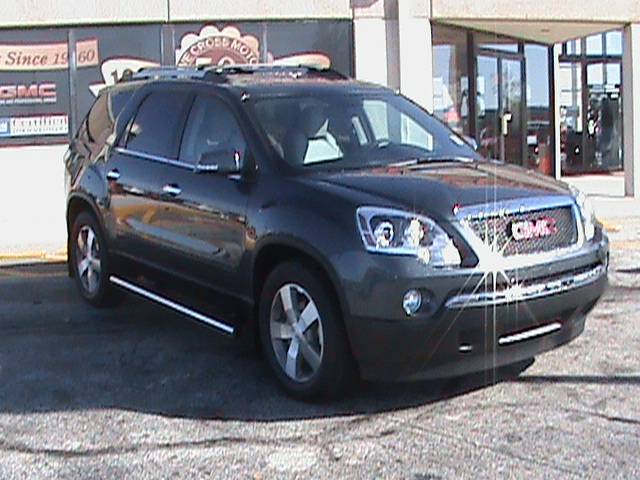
column 302, row 333
column 90, row 261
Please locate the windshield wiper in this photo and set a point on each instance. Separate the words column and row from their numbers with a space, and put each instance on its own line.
column 410, row 162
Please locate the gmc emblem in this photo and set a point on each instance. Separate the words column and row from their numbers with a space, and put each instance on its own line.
column 529, row 229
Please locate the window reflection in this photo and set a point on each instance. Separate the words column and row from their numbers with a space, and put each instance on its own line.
column 450, row 77
column 539, row 148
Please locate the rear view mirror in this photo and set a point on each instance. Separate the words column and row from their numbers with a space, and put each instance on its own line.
column 223, row 161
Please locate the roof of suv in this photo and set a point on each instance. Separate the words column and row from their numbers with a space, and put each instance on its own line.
column 261, row 79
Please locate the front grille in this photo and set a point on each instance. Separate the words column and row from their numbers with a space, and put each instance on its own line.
column 496, row 231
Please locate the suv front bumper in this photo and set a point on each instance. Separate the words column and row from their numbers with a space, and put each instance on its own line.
column 471, row 323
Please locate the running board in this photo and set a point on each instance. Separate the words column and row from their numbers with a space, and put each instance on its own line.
column 228, row 329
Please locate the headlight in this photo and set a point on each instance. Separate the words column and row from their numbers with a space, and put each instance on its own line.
column 586, row 212
column 396, row 232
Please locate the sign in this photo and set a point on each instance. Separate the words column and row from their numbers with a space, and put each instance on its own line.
column 47, row 56
column 218, row 47
column 530, row 229
column 34, row 126
column 28, row 94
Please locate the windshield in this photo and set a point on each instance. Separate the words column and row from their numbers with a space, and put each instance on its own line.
column 355, row 131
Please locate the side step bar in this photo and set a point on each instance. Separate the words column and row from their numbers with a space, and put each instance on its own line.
column 228, row 329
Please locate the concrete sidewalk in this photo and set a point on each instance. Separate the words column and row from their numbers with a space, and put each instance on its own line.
column 606, row 192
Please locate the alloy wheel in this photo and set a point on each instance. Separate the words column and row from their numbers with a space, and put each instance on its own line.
column 296, row 332
column 88, row 259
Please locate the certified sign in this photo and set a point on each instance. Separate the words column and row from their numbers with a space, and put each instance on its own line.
column 31, row 126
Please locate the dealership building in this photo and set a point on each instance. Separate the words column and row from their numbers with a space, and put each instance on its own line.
column 552, row 86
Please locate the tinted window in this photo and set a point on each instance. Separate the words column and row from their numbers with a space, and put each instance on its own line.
column 211, row 127
column 157, row 126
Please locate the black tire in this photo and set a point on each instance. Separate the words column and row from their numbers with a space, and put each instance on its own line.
column 337, row 368
column 103, row 293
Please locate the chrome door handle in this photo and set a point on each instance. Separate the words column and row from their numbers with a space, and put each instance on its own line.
column 113, row 175
column 172, row 189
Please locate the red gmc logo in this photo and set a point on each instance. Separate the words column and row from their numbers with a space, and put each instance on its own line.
column 529, row 229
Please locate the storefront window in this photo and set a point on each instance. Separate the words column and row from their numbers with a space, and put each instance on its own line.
column 451, row 78
column 594, row 45
column 614, row 42
column 539, row 147
column 591, row 123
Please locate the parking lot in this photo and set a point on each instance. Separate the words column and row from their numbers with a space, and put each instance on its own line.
column 138, row 392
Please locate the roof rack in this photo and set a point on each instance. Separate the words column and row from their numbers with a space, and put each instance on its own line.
column 271, row 68
column 219, row 74
column 164, row 72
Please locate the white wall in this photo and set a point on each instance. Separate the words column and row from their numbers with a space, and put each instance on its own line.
column 32, row 200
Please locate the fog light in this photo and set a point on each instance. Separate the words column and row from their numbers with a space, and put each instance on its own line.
column 412, row 302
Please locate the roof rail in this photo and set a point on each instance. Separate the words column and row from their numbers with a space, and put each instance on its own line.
column 166, row 72
column 219, row 73
column 266, row 68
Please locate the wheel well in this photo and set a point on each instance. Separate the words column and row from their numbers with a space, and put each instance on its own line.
column 273, row 255
column 76, row 206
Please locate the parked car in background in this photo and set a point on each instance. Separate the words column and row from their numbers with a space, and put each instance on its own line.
column 341, row 224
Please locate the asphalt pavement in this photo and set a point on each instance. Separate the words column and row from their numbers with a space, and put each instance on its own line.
column 139, row 392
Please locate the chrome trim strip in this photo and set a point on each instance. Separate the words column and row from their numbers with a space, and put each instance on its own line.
column 518, row 205
column 527, row 334
column 520, row 293
column 155, row 158
column 172, row 305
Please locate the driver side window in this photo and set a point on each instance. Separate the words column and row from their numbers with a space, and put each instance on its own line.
column 388, row 124
column 211, row 128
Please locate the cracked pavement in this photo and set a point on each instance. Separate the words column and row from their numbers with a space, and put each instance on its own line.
column 138, row 392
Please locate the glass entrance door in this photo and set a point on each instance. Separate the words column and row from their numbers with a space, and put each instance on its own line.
column 499, row 107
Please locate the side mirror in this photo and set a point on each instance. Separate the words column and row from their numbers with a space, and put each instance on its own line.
column 471, row 141
column 224, row 161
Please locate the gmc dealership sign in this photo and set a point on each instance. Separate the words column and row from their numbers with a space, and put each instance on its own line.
column 34, row 93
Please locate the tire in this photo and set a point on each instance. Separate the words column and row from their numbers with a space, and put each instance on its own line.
column 90, row 262
column 318, row 326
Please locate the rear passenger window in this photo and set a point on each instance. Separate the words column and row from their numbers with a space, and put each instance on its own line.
column 157, row 127
column 211, row 128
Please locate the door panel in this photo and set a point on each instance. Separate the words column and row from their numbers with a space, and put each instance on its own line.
column 133, row 202
column 204, row 227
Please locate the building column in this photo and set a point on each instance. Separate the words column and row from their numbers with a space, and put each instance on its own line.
column 631, row 109
column 375, row 32
column 556, row 101
column 416, row 52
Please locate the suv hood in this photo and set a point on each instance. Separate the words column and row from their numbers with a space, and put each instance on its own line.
column 445, row 184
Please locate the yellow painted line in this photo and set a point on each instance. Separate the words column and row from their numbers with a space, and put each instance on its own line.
column 611, row 225
column 625, row 245
column 56, row 256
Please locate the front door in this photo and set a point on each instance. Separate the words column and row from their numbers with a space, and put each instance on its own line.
column 500, row 107
column 204, row 214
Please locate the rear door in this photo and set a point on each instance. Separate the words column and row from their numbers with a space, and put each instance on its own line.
column 135, row 171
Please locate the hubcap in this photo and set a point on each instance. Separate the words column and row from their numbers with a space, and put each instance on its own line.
column 88, row 259
column 296, row 332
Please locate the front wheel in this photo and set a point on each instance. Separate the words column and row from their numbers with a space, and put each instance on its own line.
column 302, row 333
column 90, row 261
